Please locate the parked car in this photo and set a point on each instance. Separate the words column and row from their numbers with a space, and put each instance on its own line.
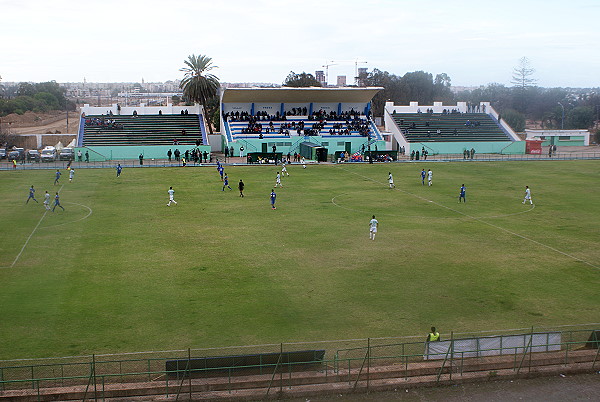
column 48, row 154
column 2, row 153
column 33, row 155
column 17, row 154
column 66, row 154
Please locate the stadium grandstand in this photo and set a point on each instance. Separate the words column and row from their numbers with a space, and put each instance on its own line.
column 126, row 132
column 333, row 119
column 443, row 129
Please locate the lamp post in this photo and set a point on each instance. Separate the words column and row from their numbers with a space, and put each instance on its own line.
column 562, row 121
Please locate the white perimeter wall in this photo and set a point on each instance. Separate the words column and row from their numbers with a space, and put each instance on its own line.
column 236, row 107
column 141, row 110
column 270, row 108
column 536, row 134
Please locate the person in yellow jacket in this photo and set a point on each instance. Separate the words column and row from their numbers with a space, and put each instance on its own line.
column 433, row 336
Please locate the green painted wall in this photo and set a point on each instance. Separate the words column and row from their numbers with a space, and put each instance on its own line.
column 484, row 147
column 575, row 141
column 102, row 153
column 333, row 144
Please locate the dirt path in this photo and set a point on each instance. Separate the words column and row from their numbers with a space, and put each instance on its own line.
column 60, row 125
column 41, row 123
column 582, row 387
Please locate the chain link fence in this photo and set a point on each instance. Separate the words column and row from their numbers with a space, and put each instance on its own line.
column 131, row 163
column 275, row 368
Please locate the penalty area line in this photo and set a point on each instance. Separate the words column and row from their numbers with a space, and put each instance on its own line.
column 481, row 221
column 30, row 236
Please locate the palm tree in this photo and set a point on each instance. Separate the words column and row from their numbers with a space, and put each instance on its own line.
column 198, row 85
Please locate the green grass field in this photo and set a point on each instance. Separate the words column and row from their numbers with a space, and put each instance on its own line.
column 219, row 270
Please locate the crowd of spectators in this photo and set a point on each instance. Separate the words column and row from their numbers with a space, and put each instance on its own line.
column 347, row 123
column 103, row 122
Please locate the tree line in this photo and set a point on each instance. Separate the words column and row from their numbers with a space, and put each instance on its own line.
column 519, row 104
column 522, row 104
column 37, row 97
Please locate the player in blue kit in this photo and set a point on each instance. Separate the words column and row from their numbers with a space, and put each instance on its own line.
column 225, row 183
column 221, row 170
column 57, row 203
column 273, row 197
column 423, row 174
column 31, row 195
column 57, row 177
column 462, row 195
column 119, row 169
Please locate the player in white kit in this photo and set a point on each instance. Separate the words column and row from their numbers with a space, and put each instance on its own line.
column 47, row 201
column 373, row 224
column 171, row 195
column 527, row 195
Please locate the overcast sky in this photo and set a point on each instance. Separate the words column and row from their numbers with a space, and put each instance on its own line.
column 474, row 42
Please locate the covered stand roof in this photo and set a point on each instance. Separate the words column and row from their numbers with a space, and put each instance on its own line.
column 299, row 95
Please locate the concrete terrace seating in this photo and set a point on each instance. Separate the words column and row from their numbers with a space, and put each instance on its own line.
column 144, row 130
column 237, row 127
column 452, row 127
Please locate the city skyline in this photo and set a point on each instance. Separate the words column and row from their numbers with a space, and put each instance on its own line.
column 262, row 41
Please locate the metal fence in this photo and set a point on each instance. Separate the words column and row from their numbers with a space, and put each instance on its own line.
column 353, row 362
column 129, row 163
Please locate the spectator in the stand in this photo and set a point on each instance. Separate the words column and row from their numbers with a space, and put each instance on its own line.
column 135, row 113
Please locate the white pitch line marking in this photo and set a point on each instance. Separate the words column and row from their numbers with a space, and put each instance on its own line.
column 482, row 221
column 76, row 220
column 335, row 202
column 30, row 236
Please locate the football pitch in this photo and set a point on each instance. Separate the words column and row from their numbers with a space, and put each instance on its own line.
column 119, row 271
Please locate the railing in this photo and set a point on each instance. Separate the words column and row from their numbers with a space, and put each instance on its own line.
column 108, row 163
column 350, row 361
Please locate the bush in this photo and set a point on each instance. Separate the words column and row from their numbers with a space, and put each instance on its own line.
column 514, row 119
